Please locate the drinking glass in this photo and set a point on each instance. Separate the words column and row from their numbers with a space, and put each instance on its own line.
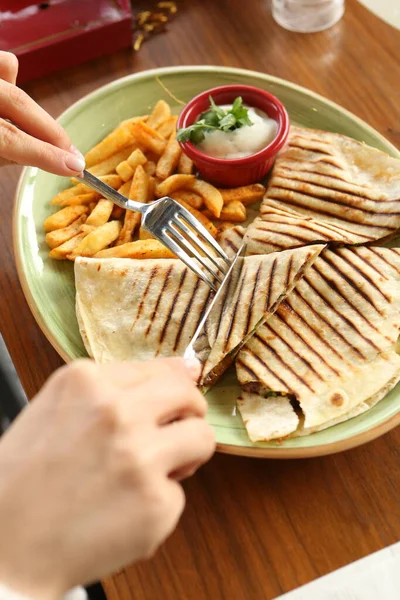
column 307, row 16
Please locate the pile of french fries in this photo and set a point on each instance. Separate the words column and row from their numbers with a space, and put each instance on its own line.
column 142, row 159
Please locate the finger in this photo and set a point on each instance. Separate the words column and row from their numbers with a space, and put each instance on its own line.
column 23, row 149
column 126, row 374
column 186, row 443
column 168, row 398
column 17, row 106
column 8, row 67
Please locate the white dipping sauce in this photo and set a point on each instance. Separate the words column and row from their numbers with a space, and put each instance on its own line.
column 241, row 142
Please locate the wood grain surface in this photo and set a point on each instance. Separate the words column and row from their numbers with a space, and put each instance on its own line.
column 252, row 529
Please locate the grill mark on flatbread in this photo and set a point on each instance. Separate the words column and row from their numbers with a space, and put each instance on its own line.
column 292, row 144
column 318, row 210
column 289, row 349
column 352, row 283
column 143, row 298
column 334, row 286
column 333, row 201
column 312, row 223
column 292, row 171
column 249, row 311
column 288, row 272
column 266, row 367
column 270, row 281
column 268, row 242
column 362, row 273
column 299, row 238
column 280, row 315
column 164, row 285
column 385, row 259
column 358, row 194
column 207, row 300
column 185, row 315
column 171, row 308
column 246, row 368
column 342, row 317
column 235, row 312
column 284, row 363
column 322, row 318
column 316, row 332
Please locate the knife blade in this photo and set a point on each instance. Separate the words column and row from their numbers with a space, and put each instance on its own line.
column 225, row 290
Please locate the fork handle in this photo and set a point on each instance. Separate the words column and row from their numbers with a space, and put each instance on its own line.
column 109, row 193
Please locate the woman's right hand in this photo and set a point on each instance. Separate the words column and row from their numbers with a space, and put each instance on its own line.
column 89, row 472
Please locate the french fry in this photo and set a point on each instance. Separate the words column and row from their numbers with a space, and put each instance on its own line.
column 136, row 158
column 117, row 212
column 132, row 120
column 169, row 158
column 124, row 170
column 149, row 138
column 87, row 228
column 108, row 166
column 201, row 217
column 113, row 181
column 115, row 141
column 150, row 167
column 61, row 252
column 138, row 249
column 60, row 236
column 138, row 192
column 246, row 194
column 194, row 200
column 168, row 127
column 83, row 199
column 64, row 217
column 125, row 187
column 234, row 211
column 151, row 188
column 161, row 112
column 185, row 164
column 127, row 168
column 145, row 235
column 212, row 197
column 97, row 240
column 173, row 183
column 101, row 213
column 76, row 190
column 92, row 206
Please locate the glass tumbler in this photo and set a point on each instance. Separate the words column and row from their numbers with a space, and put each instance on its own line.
column 307, row 16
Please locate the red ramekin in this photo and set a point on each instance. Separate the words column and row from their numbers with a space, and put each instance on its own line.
column 237, row 171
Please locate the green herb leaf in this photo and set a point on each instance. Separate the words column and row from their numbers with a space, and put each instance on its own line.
column 216, row 118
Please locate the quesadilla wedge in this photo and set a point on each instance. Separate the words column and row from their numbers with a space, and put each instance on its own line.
column 262, row 285
column 137, row 309
column 327, row 188
column 140, row 309
column 329, row 351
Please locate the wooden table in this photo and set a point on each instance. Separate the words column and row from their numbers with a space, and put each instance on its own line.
column 252, row 529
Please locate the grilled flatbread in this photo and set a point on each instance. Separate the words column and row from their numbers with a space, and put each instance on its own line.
column 140, row 309
column 331, row 346
column 326, row 187
column 137, row 309
column 263, row 284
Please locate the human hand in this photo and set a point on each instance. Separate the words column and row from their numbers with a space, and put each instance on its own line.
column 28, row 134
column 89, row 472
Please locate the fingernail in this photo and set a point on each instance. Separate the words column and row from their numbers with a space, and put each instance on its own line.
column 193, row 365
column 75, row 162
column 74, row 150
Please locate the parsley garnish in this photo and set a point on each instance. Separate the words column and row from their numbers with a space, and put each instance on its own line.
column 216, row 118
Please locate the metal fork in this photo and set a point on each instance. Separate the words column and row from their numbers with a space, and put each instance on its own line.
column 173, row 226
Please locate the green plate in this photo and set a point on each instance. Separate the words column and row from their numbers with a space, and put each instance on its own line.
column 49, row 285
